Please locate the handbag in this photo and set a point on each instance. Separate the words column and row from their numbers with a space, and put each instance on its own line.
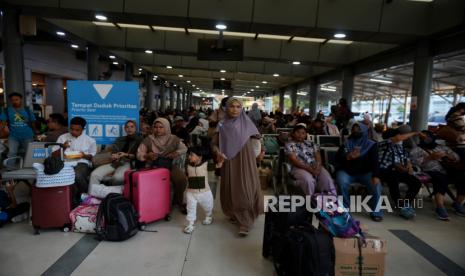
column 163, row 162
column 102, row 158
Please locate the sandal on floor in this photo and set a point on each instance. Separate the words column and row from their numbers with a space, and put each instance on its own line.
column 243, row 231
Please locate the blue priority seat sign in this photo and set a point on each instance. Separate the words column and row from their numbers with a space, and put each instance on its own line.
column 106, row 106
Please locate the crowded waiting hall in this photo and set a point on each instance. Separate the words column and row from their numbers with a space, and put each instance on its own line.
column 232, row 137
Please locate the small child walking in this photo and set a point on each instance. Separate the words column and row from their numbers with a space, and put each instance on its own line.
column 198, row 190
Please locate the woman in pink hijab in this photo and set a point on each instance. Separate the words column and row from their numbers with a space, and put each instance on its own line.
column 241, row 197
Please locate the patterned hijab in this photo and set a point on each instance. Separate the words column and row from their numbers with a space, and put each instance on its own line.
column 363, row 142
column 235, row 132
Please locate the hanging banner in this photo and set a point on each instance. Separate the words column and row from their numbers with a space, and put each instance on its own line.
column 106, row 106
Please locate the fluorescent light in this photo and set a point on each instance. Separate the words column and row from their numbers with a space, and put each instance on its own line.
column 188, row 81
column 222, row 71
column 181, row 76
column 221, row 26
column 222, row 90
column 199, row 31
column 340, row 35
column 101, row 17
column 381, row 81
column 115, row 63
column 161, row 28
column 148, row 51
column 222, row 79
column 74, row 46
column 275, row 75
column 169, row 67
column 331, row 87
column 296, row 62
column 60, row 33
column 105, row 24
column 269, row 36
column 252, row 90
column 302, row 93
column 336, row 41
column 113, row 57
column 327, row 89
column 140, row 69
column 193, row 85
column 257, row 86
column 239, row 34
column 133, row 26
column 308, row 39
column 264, row 82
column 34, row 84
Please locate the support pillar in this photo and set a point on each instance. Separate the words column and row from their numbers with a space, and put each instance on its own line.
column 150, row 94
column 178, row 99
column 13, row 53
column 172, row 97
column 92, row 62
column 421, row 86
column 348, row 85
column 313, row 101
column 293, row 99
column 281, row 100
column 162, row 97
column 129, row 71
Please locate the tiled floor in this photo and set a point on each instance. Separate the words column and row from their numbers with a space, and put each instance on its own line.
column 214, row 249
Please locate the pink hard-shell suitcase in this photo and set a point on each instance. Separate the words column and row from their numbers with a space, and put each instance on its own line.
column 149, row 191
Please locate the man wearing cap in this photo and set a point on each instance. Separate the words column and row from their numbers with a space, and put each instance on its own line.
column 179, row 130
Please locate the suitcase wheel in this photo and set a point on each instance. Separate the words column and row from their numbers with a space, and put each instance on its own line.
column 167, row 217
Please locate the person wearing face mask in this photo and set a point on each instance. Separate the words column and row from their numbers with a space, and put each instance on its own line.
column 330, row 127
column 357, row 162
column 455, row 120
column 434, row 160
column 123, row 151
column 395, row 167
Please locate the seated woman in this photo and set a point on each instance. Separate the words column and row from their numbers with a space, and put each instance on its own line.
column 161, row 148
column 123, row 151
column 358, row 163
column 305, row 158
column 433, row 159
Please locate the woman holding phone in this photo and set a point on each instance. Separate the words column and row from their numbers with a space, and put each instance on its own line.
column 358, row 163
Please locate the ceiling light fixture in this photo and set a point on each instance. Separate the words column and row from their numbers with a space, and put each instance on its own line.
column 257, row 86
column 275, row 75
column 101, row 17
column 381, row 81
column 74, row 46
column 115, row 63
column 221, row 26
column 169, row 67
column 222, row 79
column 181, row 76
column 188, row 81
column 340, row 35
column 252, row 90
column 327, row 89
column 140, row 69
column 264, row 82
column 296, row 62
column 223, row 71
column 148, row 51
column 113, row 57
column 60, row 33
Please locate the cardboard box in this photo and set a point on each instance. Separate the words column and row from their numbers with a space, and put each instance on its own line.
column 347, row 256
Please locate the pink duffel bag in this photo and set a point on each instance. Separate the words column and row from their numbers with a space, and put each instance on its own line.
column 83, row 218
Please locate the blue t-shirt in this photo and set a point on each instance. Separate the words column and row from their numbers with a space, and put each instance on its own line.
column 20, row 120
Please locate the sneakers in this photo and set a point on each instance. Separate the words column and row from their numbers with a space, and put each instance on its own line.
column 407, row 212
column 189, row 229
column 207, row 221
column 442, row 214
column 20, row 217
column 459, row 210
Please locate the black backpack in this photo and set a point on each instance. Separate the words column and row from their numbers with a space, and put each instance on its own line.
column 306, row 252
column 117, row 219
